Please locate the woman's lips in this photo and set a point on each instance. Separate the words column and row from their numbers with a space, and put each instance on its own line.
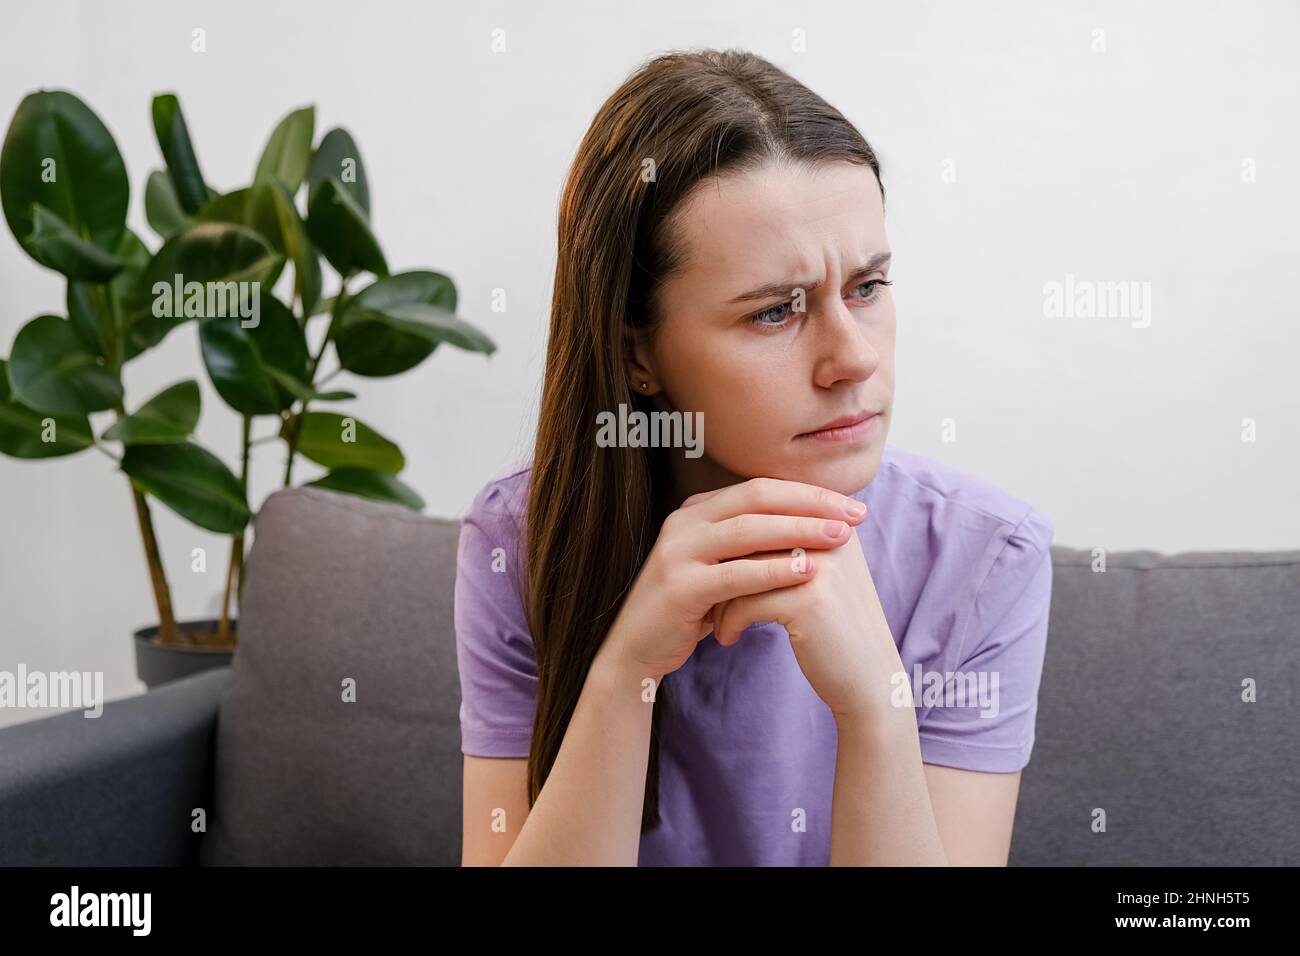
column 844, row 433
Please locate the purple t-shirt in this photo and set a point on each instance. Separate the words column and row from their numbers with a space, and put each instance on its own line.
column 747, row 768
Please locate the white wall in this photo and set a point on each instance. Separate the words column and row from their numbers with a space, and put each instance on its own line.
column 1122, row 165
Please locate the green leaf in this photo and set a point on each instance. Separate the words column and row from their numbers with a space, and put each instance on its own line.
column 312, row 280
column 84, row 315
column 288, row 152
column 383, row 334
column 162, row 209
column 305, row 393
column 365, row 483
column 51, row 369
column 338, row 441
column 57, row 155
column 137, row 256
column 338, row 227
column 240, row 361
column 23, row 429
column 405, row 288
column 394, row 324
column 53, row 244
column 84, row 301
column 338, row 156
column 192, row 482
column 235, row 368
column 170, row 416
column 213, row 254
column 227, row 207
column 85, row 305
column 279, row 338
column 272, row 213
column 267, row 208
column 178, row 152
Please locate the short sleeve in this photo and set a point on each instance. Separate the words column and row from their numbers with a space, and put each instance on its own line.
column 494, row 651
column 984, row 719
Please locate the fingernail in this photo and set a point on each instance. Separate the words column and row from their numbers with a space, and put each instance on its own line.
column 834, row 529
column 856, row 508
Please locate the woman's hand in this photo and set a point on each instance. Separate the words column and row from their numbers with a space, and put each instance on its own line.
column 705, row 556
column 838, row 631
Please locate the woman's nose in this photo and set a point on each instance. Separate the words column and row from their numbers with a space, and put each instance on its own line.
column 845, row 351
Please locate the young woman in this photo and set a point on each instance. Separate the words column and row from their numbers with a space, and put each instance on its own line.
column 669, row 657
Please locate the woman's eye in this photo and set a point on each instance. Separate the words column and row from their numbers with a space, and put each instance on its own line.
column 776, row 317
column 874, row 289
column 777, row 312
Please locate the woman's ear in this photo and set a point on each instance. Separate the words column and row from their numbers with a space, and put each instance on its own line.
column 640, row 366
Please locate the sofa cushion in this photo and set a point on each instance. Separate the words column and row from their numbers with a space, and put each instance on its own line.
column 1141, row 713
column 341, row 592
column 1140, row 710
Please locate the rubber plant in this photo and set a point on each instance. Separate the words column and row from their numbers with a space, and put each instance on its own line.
column 65, row 193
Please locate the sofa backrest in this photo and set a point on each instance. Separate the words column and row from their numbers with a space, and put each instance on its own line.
column 1167, row 713
column 339, row 742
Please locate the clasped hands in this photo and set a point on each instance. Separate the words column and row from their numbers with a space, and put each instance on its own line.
column 767, row 550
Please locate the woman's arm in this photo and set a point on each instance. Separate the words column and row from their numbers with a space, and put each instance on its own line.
column 975, row 810
column 590, row 807
column 880, row 811
column 890, row 809
column 589, row 810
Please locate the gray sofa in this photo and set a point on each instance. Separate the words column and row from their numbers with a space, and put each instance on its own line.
column 334, row 737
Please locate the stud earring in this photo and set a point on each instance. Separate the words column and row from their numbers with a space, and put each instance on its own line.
column 644, row 386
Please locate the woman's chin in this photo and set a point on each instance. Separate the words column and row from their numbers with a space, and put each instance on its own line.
column 846, row 472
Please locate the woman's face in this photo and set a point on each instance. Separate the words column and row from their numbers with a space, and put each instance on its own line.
column 765, row 363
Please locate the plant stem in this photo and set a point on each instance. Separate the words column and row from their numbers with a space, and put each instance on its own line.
column 161, row 592
column 295, row 428
column 223, row 625
column 110, row 331
column 167, row 633
column 234, row 570
column 111, row 334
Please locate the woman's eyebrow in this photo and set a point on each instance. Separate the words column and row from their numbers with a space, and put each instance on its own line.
column 775, row 289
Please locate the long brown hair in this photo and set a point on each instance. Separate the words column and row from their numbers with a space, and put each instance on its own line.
column 593, row 513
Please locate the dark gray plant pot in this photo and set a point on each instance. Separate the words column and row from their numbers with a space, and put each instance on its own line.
column 159, row 663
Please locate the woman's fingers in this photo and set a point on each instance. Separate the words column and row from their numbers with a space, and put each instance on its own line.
column 738, row 614
column 748, row 533
column 776, row 496
column 724, row 618
column 715, row 615
column 757, row 536
column 729, row 579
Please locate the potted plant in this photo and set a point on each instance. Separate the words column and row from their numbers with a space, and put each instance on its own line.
column 65, row 194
